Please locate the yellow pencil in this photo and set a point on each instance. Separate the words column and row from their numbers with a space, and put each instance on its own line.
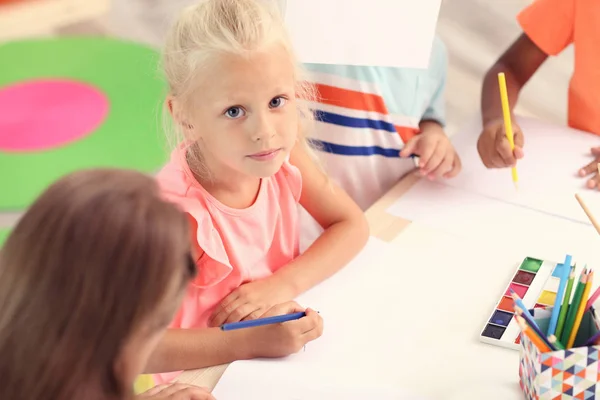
column 507, row 121
column 581, row 309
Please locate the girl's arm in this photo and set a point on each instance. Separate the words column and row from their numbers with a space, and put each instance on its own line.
column 346, row 232
column 182, row 349
column 345, row 225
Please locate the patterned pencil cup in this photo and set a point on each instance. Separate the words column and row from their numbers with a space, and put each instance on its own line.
column 561, row 374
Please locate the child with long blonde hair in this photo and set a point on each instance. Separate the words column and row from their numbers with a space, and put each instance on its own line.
column 241, row 168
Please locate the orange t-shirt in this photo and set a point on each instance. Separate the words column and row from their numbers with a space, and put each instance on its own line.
column 554, row 24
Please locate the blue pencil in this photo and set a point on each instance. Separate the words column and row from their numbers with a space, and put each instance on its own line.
column 262, row 321
column 520, row 304
column 531, row 322
column 559, row 295
column 524, row 312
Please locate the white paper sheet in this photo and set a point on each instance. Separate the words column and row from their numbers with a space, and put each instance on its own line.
column 231, row 388
column 330, row 368
column 473, row 216
column 394, row 33
column 390, row 318
column 548, row 177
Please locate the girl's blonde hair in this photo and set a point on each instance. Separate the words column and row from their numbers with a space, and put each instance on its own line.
column 216, row 27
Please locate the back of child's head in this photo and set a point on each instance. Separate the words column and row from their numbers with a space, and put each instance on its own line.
column 214, row 28
column 95, row 256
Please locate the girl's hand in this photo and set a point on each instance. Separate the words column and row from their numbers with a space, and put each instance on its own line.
column 250, row 301
column 592, row 171
column 176, row 391
column 437, row 157
column 280, row 340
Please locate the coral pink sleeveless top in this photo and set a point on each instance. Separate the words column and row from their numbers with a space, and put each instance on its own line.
column 239, row 245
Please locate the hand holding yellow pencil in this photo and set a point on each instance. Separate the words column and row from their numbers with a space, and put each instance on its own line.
column 507, row 121
column 493, row 146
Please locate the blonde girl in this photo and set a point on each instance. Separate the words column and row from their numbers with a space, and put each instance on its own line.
column 89, row 280
column 240, row 170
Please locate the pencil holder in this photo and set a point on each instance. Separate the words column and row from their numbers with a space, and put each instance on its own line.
column 561, row 374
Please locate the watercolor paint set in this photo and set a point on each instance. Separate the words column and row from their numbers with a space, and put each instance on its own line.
column 536, row 282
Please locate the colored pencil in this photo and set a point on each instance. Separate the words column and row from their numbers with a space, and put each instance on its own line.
column 533, row 325
column 565, row 304
column 524, row 313
column 262, row 321
column 507, row 122
column 519, row 303
column 592, row 299
column 593, row 340
column 535, row 339
column 554, row 341
column 596, row 225
column 580, row 310
column 573, row 309
column 587, row 212
column 559, row 296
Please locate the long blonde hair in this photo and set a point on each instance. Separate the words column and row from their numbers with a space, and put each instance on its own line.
column 216, row 27
column 90, row 260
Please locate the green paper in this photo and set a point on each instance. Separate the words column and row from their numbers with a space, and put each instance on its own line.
column 131, row 135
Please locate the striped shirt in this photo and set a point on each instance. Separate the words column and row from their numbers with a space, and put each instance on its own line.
column 366, row 114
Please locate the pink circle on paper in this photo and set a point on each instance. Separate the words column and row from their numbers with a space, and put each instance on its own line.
column 43, row 114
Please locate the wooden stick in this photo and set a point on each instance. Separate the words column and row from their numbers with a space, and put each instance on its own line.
column 587, row 212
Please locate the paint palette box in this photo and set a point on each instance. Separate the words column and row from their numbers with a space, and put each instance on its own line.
column 536, row 282
column 561, row 374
